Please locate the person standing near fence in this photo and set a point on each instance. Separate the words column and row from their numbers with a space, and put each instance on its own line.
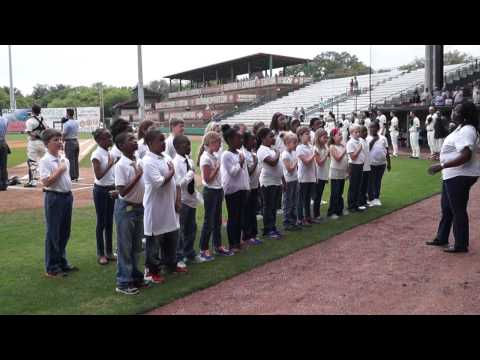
column 35, row 147
column 394, row 132
column 414, row 130
column 72, row 148
column 430, row 125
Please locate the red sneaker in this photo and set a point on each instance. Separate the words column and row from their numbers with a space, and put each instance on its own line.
column 154, row 277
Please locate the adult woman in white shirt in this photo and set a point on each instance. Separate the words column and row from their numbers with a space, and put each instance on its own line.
column 460, row 168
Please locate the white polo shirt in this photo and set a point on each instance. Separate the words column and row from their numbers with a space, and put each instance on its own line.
column 47, row 165
column 322, row 171
column 366, row 151
column 291, row 157
column 306, row 173
column 124, row 174
column 101, row 155
column 169, row 148
column 210, row 160
column 352, row 146
column 255, row 176
column 415, row 125
column 394, row 125
column 115, row 152
column 159, row 216
column 183, row 178
column 270, row 175
column 460, row 138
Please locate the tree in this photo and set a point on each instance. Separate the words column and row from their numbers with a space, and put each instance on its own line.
column 330, row 64
column 449, row 58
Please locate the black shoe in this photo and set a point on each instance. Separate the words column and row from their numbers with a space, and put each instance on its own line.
column 453, row 249
column 435, row 242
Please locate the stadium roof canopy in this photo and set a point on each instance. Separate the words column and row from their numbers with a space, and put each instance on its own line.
column 244, row 65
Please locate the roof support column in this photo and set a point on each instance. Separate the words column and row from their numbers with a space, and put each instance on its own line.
column 216, row 76
column 170, row 86
column 231, row 73
column 249, row 72
column 203, row 78
column 270, row 64
column 180, row 84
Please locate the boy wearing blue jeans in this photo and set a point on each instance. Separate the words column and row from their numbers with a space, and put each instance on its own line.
column 57, row 186
column 129, row 216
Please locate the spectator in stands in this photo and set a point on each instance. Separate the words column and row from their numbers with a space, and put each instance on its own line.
column 458, row 99
column 426, row 97
column 352, row 84
column 296, row 113
column 439, row 99
column 476, row 92
column 302, row 114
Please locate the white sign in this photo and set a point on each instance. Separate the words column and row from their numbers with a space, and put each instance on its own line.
column 53, row 114
column 88, row 118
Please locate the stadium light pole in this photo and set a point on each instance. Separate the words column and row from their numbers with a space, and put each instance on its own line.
column 141, row 96
column 12, row 90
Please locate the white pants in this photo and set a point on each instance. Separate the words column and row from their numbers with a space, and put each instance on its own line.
column 414, row 144
column 394, row 136
column 431, row 141
column 35, row 150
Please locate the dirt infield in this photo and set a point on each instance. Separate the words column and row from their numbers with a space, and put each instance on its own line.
column 379, row 268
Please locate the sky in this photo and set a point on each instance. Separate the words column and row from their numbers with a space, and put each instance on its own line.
column 117, row 64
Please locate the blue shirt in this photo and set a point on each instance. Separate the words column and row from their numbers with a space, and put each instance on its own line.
column 3, row 127
column 70, row 129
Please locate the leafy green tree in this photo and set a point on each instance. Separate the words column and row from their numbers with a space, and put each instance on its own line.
column 449, row 58
column 330, row 64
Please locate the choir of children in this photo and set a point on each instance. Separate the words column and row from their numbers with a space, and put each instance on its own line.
column 150, row 190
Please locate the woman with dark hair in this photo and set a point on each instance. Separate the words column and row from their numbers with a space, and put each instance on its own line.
column 278, row 125
column 460, row 168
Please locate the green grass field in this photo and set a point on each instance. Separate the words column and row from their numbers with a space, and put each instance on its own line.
column 24, row 289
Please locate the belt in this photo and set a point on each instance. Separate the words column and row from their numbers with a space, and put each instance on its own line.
column 57, row 192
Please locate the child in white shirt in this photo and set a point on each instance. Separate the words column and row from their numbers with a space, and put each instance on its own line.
column 306, row 175
column 321, row 163
column 337, row 174
column 177, row 127
column 356, row 158
column 290, row 164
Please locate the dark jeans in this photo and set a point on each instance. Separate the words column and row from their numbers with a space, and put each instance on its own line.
column 129, row 224
column 290, row 204
column 354, row 195
column 58, row 218
column 104, row 207
column 364, row 187
column 336, row 197
column 306, row 194
column 250, row 217
column 72, row 151
column 161, row 250
column 236, row 209
column 188, row 233
column 455, row 193
column 319, row 187
column 375, row 181
column 3, row 165
column 271, row 196
column 212, row 220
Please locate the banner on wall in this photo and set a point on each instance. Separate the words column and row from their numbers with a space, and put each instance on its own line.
column 88, row 118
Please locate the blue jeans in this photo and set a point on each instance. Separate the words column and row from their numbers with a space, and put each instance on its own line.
column 104, row 206
column 212, row 220
column 290, row 202
column 129, row 221
column 188, row 233
column 58, row 218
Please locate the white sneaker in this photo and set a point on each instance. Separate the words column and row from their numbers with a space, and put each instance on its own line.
column 333, row 217
column 346, row 212
column 377, row 202
column 199, row 259
column 181, row 264
column 362, row 208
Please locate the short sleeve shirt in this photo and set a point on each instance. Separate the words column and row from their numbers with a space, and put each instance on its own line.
column 306, row 173
column 101, row 155
column 270, row 175
column 292, row 159
column 124, row 174
column 322, row 171
column 210, row 160
column 378, row 153
column 460, row 138
column 352, row 146
column 47, row 165
column 70, row 129
column 255, row 176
